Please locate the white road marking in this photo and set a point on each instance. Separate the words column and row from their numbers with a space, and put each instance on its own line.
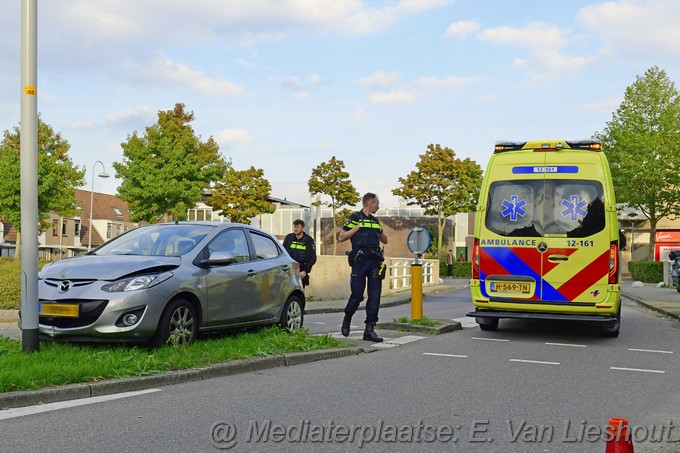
column 534, row 361
column 384, row 345
column 466, row 323
column 23, row 411
column 636, row 369
column 567, row 344
column 318, row 323
column 444, row 355
column 488, row 339
column 650, row 350
column 405, row 339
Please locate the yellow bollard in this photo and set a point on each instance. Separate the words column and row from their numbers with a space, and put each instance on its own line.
column 416, row 291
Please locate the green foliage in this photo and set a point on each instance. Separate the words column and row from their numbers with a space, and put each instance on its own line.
column 443, row 185
column 642, row 143
column 646, row 271
column 58, row 177
column 242, row 195
column 165, row 171
column 63, row 363
column 331, row 179
column 459, row 269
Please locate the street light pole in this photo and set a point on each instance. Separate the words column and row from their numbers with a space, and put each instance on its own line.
column 103, row 175
column 632, row 216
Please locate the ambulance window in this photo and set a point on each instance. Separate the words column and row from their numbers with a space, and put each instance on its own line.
column 511, row 209
column 577, row 208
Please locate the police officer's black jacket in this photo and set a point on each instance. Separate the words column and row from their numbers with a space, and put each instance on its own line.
column 368, row 235
column 301, row 250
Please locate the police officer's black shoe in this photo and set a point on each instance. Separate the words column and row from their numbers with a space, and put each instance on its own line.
column 345, row 325
column 370, row 335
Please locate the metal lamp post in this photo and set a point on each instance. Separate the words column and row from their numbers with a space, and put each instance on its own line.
column 632, row 216
column 103, row 175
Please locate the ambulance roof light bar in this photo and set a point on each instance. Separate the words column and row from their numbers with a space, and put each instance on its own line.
column 588, row 145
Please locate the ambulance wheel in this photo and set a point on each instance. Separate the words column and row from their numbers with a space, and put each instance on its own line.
column 611, row 329
column 488, row 323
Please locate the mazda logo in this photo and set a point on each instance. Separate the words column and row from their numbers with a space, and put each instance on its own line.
column 542, row 247
column 64, row 286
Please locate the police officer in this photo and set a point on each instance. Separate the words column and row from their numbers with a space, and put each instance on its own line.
column 365, row 234
column 300, row 247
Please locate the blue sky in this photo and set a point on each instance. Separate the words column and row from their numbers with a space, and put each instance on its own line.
column 283, row 85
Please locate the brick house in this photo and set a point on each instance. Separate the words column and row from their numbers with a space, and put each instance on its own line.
column 70, row 236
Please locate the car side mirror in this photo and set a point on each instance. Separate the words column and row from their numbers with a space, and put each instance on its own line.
column 221, row 258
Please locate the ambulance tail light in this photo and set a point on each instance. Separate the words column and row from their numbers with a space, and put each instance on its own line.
column 613, row 263
column 475, row 260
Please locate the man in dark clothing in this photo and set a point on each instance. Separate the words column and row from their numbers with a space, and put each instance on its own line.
column 366, row 235
column 300, row 246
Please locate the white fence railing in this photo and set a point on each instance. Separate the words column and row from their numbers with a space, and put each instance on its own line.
column 399, row 272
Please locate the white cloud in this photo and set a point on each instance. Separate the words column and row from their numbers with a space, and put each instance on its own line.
column 543, row 41
column 491, row 97
column 421, row 5
column 380, row 78
column 233, row 135
column 393, row 97
column 604, row 105
column 174, row 71
column 639, row 27
column 81, row 125
column 462, row 29
column 141, row 115
column 443, row 82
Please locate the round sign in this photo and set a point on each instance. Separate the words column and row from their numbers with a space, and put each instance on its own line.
column 418, row 240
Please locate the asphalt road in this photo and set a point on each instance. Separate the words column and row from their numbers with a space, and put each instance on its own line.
column 528, row 387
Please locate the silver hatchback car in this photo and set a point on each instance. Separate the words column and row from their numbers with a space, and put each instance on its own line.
column 171, row 281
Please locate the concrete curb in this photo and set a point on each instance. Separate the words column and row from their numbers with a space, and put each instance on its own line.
column 652, row 307
column 444, row 327
column 398, row 299
column 107, row 387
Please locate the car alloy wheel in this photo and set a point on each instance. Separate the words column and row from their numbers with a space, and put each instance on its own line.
column 293, row 314
column 178, row 324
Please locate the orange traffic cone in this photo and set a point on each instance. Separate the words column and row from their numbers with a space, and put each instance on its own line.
column 618, row 437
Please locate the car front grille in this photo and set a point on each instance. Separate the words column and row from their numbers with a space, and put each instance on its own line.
column 90, row 311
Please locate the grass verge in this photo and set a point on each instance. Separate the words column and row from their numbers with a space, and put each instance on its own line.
column 425, row 321
column 68, row 363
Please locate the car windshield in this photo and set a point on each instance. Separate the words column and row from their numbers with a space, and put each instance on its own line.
column 156, row 240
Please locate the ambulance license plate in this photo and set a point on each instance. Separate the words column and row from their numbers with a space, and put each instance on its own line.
column 61, row 310
column 510, row 287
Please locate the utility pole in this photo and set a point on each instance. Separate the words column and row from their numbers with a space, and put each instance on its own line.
column 29, row 177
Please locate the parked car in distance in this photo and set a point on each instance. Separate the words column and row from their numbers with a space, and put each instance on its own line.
column 168, row 282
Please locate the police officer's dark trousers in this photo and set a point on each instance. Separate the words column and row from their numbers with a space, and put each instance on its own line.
column 365, row 269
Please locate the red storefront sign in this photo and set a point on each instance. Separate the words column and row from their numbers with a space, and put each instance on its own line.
column 666, row 241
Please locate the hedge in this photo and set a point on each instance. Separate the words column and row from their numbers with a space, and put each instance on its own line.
column 646, row 271
column 460, row 269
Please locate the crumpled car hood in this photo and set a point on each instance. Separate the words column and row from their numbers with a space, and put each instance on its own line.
column 110, row 267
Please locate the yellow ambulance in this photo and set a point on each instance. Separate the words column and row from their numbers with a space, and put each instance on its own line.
column 546, row 236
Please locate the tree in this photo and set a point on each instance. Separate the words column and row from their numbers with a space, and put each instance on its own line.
column 242, row 195
column 165, row 171
column 642, row 143
column 331, row 179
column 443, row 185
column 58, row 178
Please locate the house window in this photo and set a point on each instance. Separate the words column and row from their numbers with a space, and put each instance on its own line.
column 54, row 227
column 108, row 231
column 63, row 228
column 117, row 211
column 118, row 230
column 77, row 229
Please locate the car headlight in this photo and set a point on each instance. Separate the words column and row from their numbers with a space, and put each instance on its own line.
column 136, row 283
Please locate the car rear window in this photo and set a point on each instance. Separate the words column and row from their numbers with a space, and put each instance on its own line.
column 532, row 208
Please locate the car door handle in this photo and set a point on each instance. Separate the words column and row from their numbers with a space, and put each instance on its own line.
column 285, row 267
column 251, row 273
column 554, row 258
